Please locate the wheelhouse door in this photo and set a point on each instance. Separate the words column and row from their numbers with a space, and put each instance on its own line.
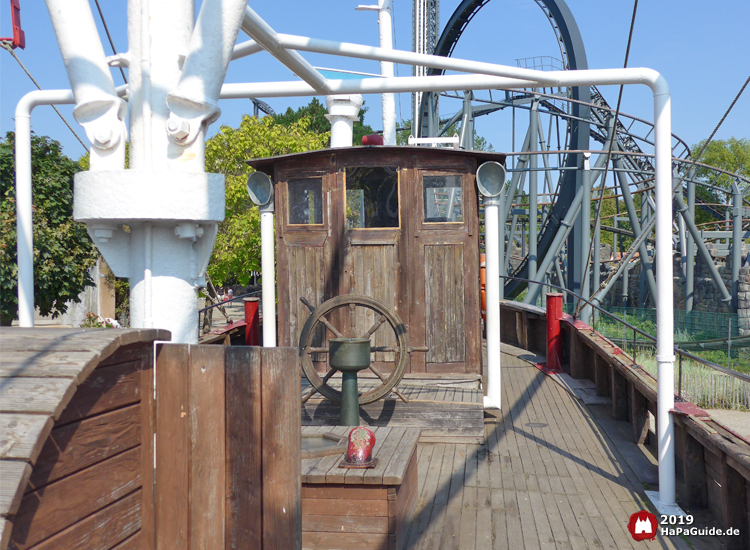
column 445, row 280
column 373, row 244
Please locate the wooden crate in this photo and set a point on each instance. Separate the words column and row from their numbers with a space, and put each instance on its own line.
column 364, row 509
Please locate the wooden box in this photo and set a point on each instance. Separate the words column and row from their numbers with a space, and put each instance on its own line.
column 362, row 509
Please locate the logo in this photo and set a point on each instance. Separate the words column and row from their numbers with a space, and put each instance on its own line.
column 642, row 526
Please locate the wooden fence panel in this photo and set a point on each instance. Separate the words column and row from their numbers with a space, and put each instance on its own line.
column 282, row 441
column 228, row 448
column 244, row 467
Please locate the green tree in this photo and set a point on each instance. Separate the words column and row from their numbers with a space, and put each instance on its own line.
column 732, row 155
column 63, row 251
column 316, row 112
column 237, row 249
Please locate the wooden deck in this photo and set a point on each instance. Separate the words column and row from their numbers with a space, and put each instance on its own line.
column 446, row 408
column 545, row 476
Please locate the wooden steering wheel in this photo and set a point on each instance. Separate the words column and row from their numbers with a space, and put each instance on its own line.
column 367, row 318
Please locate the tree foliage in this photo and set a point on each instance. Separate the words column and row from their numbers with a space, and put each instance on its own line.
column 237, row 249
column 63, row 251
column 732, row 155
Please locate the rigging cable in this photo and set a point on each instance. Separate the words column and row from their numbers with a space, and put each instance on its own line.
column 612, row 138
column 703, row 150
column 109, row 37
column 7, row 46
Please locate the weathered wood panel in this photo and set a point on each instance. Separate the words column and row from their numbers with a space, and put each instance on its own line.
column 58, row 505
column 444, row 303
column 306, row 280
column 14, row 475
column 73, row 447
column 206, row 506
column 281, row 444
column 375, row 276
column 107, row 388
column 21, row 435
column 103, row 530
column 244, row 458
column 172, row 459
column 83, row 472
column 228, row 448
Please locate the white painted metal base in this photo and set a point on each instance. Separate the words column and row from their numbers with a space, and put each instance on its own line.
column 489, row 404
column 666, row 509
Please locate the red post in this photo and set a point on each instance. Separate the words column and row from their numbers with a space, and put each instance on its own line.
column 554, row 332
column 252, row 318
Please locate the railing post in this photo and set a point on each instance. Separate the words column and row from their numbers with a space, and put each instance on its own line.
column 252, row 318
column 554, row 332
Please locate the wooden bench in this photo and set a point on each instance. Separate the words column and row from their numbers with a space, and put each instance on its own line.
column 363, row 509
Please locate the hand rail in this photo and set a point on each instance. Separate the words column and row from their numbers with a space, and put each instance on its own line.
column 680, row 352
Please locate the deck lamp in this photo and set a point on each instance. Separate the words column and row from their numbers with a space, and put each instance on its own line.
column 491, row 181
column 260, row 189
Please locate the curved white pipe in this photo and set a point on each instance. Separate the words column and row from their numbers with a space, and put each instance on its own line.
column 264, row 35
column 24, row 225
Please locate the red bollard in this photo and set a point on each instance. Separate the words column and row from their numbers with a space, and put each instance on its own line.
column 252, row 318
column 554, row 332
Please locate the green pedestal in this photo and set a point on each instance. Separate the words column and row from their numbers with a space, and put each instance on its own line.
column 349, row 399
column 349, row 355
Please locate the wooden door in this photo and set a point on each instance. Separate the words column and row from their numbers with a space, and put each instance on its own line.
column 373, row 242
column 445, row 272
column 306, row 244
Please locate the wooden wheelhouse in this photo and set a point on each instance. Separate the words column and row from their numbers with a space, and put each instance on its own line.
column 398, row 224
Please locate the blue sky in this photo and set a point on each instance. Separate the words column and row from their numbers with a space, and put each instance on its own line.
column 701, row 48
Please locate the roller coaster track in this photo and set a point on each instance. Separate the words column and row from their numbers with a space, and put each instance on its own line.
column 587, row 115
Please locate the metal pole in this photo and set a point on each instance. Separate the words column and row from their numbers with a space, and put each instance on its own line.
column 690, row 266
column 533, row 140
column 736, row 242
column 586, row 237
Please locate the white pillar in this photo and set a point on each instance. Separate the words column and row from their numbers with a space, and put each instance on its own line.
column 493, row 399
column 665, row 297
column 343, row 110
column 268, row 268
column 386, row 69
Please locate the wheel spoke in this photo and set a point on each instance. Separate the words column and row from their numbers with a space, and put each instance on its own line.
column 390, row 349
column 330, row 327
column 314, row 390
column 383, row 379
column 375, row 327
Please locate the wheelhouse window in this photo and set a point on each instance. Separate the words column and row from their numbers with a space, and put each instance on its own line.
column 305, row 201
column 372, row 197
column 443, row 199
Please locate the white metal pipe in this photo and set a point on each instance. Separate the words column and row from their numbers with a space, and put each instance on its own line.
column 371, row 86
column 386, row 69
column 264, row 35
column 194, row 103
column 492, row 262
column 343, row 110
column 24, row 225
column 665, row 296
column 246, row 48
column 98, row 109
column 148, row 288
column 268, row 267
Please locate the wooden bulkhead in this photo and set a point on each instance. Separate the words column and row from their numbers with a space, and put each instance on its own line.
column 398, row 224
